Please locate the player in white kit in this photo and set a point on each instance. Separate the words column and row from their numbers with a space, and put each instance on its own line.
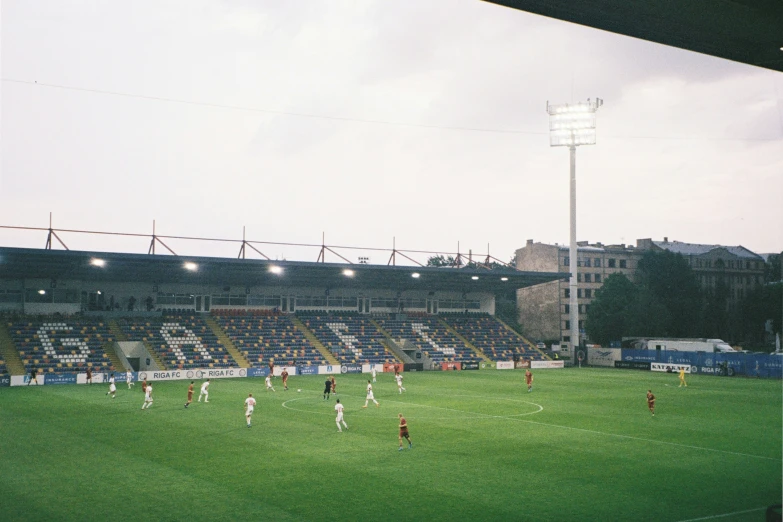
column 250, row 404
column 129, row 378
column 339, row 409
column 370, row 396
column 400, row 387
column 112, row 387
column 147, row 397
column 204, row 391
column 269, row 383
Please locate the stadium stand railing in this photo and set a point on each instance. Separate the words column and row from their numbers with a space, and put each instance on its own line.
column 265, row 336
column 352, row 339
column 431, row 337
column 491, row 337
column 62, row 345
column 182, row 341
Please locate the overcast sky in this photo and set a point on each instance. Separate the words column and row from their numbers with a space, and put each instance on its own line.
column 367, row 120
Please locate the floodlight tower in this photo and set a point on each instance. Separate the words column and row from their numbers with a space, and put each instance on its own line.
column 571, row 126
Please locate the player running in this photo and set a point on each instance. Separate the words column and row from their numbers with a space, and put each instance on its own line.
column 284, row 375
column 112, row 387
column 204, row 391
column 250, row 404
column 400, row 387
column 129, row 379
column 268, row 381
column 190, row 394
column 529, row 380
column 651, row 402
column 370, row 396
column 404, row 432
column 147, row 397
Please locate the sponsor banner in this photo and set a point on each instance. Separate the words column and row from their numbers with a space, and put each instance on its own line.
column 329, row 369
column 470, row 365
column 670, row 368
column 367, row 368
column 97, row 378
column 597, row 356
column 62, row 378
column 450, row 366
column 547, row 364
column 522, row 364
column 21, row 380
column 632, row 365
column 391, row 368
column 638, row 355
column 351, row 368
column 488, row 365
column 413, row 367
column 307, row 370
column 257, row 372
column 5, row 380
column 194, row 373
column 505, row 365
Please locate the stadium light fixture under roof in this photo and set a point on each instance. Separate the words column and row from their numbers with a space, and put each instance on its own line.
column 190, row 266
column 475, row 278
column 504, row 278
column 97, row 262
column 42, row 291
column 348, row 272
column 415, row 275
column 276, row 269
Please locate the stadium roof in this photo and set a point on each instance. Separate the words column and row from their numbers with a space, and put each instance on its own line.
column 746, row 31
column 27, row 263
column 693, row 249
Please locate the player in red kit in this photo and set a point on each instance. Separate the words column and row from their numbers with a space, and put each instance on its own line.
column 529, row 380
column 651, row 402
column 404, row 432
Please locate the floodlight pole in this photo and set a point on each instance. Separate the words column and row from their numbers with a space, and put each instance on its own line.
column 573, row 125
column 572, row 265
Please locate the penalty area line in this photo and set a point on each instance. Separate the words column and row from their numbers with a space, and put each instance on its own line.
column 646, row 440
column 713, row 517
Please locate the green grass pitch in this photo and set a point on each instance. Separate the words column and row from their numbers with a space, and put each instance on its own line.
column 581, row 446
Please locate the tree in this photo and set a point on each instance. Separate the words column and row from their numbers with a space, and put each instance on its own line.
column 671, row 281
column 610, row 312
column 440, row 260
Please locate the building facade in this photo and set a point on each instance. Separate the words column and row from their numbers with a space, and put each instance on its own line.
column 544, row 309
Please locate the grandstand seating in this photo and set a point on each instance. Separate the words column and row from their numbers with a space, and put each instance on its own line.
column 431, row 337
column 182, row 341
column 265, row 337
column 353, row 339
column 62, row 345
column 488, row 335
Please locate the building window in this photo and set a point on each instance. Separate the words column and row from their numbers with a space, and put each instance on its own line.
column 597, row 278
column 587, row 261
column 579, row 293
column 568, row 325
column 568, row 309
column 566, row 261
column 623, row 263
column 581, row 325
column 588, row 293
column 566, row 338
column 579, row 278
column 587, row 308
column 588, row 277
column 597, row 262
column 567, row 293
column 611, row 263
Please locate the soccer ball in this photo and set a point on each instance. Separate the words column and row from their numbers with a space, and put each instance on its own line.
column 299, row 390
